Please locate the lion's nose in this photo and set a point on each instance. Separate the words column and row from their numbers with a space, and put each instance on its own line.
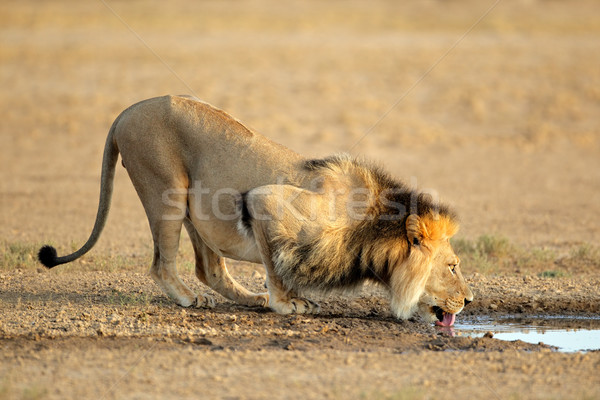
column 467, row 302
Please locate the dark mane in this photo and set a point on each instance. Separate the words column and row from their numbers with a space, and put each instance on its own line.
column 321, row 163
column 398, row 200
column 371, row 246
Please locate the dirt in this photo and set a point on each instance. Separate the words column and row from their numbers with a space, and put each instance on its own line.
column 500, row 118
column 114, row 335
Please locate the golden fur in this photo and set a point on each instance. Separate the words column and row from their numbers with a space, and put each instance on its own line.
column 314, row 224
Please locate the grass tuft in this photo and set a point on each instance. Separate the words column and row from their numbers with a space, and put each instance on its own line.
column 407, row 393
column 23, row 256
column 587, row 253
column 18, row 255
column 583, row 259
column 34, row 392
column 552, row 274
column 496, row 254
column 130, row 299
column 486, row 254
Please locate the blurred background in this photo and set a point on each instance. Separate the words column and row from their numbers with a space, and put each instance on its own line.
column 492, row 104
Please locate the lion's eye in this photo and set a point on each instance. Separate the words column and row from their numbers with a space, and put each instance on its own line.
column 452, row 268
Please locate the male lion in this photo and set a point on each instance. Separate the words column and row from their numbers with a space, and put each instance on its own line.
column 314, row 224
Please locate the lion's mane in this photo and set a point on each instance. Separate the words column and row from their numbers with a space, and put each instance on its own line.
column 372, row 248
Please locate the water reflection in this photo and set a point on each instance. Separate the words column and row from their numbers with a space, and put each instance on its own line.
column 568, row 333
column 446, row 330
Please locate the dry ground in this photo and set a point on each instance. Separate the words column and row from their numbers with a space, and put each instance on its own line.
column 504, row 127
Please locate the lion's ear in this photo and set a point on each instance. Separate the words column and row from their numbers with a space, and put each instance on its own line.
column 413, row 230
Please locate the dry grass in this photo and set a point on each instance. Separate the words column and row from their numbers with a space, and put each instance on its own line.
column 33, row 391
column 353, row 61
column 488, row 254
column 23, row 256
column 406, row 393
column 18, row 256
column 583, row 258
column 492, row 254
column 314, row 76
column 121, row 299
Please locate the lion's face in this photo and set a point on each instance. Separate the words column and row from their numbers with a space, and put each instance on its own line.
column 446, row 292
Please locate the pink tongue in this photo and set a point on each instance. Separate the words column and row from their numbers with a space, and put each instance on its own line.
column 448, row 320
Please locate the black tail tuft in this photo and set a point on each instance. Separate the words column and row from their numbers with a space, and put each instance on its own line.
column 47, row 256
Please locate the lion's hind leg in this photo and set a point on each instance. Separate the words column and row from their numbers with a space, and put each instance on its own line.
column 212, row 271
column 164, row 270
column 165, row 223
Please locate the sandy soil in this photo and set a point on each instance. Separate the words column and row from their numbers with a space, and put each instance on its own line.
column 501, row 120
column 114, row 335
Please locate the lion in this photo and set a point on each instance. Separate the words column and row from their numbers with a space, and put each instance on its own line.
column 316, row 225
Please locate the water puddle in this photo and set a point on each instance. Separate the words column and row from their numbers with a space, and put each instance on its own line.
column 568, row 333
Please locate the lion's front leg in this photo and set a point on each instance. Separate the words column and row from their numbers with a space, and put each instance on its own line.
column 264, row 212
column 282, row 299
column 286, row 301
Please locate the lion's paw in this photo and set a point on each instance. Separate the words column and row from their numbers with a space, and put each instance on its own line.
column 261, row 299
column 304, row 306
column 295, row 305
column 205, row 301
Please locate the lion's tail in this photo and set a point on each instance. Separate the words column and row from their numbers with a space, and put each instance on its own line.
column 47, row 254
